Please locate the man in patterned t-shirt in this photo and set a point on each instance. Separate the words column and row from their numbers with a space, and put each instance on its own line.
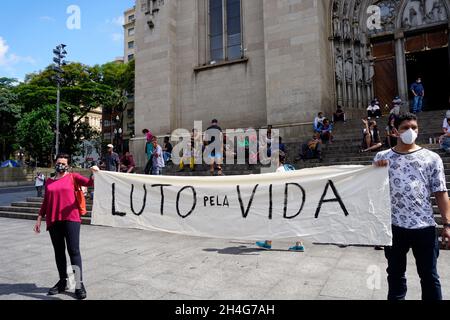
column 415, row 174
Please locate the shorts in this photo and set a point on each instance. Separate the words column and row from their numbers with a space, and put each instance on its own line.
column 217, row 156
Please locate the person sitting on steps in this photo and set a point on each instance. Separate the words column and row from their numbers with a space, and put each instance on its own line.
column 312, row 149
column 371, row 137
column 374, row 110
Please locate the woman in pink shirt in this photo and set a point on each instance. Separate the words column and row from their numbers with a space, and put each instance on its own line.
column 63, row 222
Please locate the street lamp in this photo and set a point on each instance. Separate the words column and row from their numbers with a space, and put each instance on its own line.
column 118, row 133
column 60, row 53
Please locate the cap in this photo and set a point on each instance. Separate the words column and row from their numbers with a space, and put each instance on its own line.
column 110, row 146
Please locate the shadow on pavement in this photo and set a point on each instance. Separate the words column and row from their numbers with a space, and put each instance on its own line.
column 241, row 250
column 26, row 290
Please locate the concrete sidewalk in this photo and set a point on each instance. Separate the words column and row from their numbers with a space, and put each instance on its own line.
column 133, row 264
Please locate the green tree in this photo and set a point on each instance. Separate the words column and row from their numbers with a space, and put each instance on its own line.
column 84, row 89
column 35, row 132
column 9, row 115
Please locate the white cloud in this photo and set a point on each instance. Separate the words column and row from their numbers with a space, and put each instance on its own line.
column 47, row 18
column 117, row 37
column 119, row 21
column 10, row 59
column 116, row 22
column 3, row 50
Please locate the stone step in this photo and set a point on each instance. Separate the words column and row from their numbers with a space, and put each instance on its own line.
column 40, row 200
column 204, row 167
column 22, row 209
column 354, row 147
column 206, row 173
column 38, row 205
column 32, row 216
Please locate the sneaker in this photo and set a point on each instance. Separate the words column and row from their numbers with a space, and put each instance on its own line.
column 264, row 245
column 81, row 293
column 60, row 287
column 299, row 247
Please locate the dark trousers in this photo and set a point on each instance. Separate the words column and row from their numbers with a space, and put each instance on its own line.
column 372, row 114
column 149, row 166
column 307, row 153
column 425, row 247
column 39, row 191
column 62, row 233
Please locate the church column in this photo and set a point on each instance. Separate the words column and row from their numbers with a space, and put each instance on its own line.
column 400, row 58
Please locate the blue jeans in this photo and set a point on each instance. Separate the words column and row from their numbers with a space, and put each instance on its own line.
column 446, row 144
column 417, row 104
column 425, row 247
column 167, row 156
column 157, row 171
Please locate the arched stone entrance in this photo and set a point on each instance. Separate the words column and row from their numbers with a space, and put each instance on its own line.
column 381, row 46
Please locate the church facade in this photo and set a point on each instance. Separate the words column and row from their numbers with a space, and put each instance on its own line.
column 250, row 63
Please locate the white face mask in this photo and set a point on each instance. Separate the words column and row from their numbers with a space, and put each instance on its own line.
column 409, row 137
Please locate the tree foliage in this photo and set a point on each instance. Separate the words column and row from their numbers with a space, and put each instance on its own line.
column 84, row 88
column 10, row 112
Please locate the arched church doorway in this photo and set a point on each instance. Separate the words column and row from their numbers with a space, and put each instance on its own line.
column 427, row 57
column 381, row 46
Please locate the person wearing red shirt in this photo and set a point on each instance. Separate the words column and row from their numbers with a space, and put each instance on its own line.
column 63, row 221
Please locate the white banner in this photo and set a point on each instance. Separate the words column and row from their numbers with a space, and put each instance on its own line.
column 340, row 204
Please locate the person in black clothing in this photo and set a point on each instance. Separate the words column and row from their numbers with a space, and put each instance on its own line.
column 167, row 150
column 391, row 133
column 339, row 115
column 215, row 156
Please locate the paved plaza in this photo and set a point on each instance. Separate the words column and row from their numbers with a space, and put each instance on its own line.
column 134, row 264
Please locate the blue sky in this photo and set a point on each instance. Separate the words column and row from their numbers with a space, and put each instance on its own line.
column 30, row 29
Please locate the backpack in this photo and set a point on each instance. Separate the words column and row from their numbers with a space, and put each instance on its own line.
column 79, row 197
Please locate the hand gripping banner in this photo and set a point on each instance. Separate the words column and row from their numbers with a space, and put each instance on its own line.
column 339, row 204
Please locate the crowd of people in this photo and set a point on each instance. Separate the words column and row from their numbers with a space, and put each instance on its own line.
column 413, row 222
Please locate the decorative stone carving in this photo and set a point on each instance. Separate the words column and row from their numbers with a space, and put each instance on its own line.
column 422, row 12
column 349, row 66
column 358, row 68
column 369, row 69
column 356, row 32
column 337, row 27
column 347, row 30
column 354, row 63
column 339, row 63
column 389, row 13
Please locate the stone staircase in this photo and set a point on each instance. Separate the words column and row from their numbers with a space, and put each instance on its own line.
column 29, row 210
column 344, row 151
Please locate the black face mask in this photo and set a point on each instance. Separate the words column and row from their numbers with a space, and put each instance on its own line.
column 61, row 168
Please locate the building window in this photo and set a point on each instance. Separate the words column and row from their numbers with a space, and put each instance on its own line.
column 130, row 57
column 225, row 30
column 131, row 18
column 131, row 32
column 131, row 45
